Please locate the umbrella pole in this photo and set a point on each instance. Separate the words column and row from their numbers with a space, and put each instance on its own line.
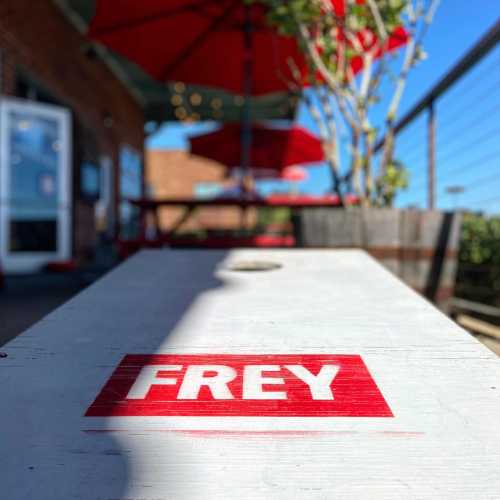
column 246, row 129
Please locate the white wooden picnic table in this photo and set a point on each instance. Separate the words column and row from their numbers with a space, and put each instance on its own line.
column 175, row 377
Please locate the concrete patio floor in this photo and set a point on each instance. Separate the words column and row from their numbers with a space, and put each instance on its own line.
column 26, row 299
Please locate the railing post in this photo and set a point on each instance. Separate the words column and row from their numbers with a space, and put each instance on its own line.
column 431, row 157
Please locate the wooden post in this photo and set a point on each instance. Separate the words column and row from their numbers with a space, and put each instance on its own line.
column 431, row 158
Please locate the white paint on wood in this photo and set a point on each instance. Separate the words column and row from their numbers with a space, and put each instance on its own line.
column 441, row 384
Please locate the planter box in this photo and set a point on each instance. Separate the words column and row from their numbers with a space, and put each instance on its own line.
column 418, row 246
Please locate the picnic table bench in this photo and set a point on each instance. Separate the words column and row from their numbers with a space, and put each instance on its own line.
column 190, row 374
column 191, row 205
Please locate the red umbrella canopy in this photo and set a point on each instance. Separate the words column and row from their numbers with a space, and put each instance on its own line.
column 366, row 37
column 197, row 41
column 369, row 41
column 272, row 149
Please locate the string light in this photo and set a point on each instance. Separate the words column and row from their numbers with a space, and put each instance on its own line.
column 176, row 100
column 216, row 103
column 195, row 99
column 179, row 87
column 181, row 113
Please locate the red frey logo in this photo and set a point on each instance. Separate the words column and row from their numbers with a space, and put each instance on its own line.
column 274, row 385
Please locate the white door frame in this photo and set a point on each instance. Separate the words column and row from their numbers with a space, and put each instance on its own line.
column 124, row 147
column 105, row 206
column 19, row 262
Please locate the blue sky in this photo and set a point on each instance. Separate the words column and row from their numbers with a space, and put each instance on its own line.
column 468, row 117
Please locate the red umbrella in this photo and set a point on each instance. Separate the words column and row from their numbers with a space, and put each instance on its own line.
column 206, row 42
column 220, row 43
column 294, row 173
column 272, row 149
column 367, row 39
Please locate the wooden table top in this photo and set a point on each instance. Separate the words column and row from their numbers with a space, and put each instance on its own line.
column 180, row 375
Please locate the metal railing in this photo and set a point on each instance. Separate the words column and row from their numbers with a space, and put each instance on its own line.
column 450, row 139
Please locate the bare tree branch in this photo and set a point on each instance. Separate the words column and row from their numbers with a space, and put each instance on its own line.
column 332, row 44
column 378, row 20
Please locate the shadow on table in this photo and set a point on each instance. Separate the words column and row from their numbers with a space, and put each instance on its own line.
column 61, row 364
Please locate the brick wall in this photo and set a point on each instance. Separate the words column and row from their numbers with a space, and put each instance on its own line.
column 173, row 174
column 36, row 38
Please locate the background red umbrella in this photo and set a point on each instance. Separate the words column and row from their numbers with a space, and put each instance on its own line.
column 367, row 38
column 221, row 43
column 272, row 149
column 294, row 173
column 208, row 42
column 204, row 42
